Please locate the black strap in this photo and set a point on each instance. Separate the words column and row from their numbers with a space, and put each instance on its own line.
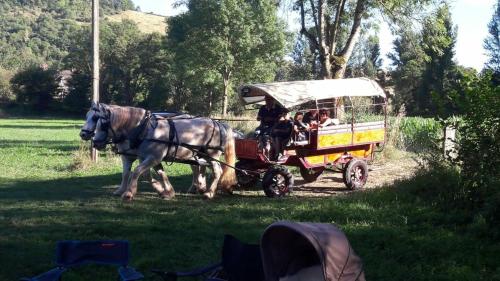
column 137, row 135
column 172, row 133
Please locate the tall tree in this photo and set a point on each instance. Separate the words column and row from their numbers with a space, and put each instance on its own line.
column 438, row 41
column 218, row 41
column 425, row 72
column 133, row 65
column 365, row 59
column 408, row 58
column 492, row 42
column 333, row 26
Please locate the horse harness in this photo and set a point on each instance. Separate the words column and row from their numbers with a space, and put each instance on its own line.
column 135, row 138
column 197, row 150
column 138, row 135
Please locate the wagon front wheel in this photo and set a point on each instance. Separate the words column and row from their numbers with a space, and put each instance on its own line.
column 277, row 181
column 310, row 175
column 355, row 174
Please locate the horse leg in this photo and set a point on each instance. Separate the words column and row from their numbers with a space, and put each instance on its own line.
column 194, row 183
column 168, row 193
column 159, row 186
column 202, row 179
column 132, row 183
column 126, row 165
column 217, row 170
column 199, row 183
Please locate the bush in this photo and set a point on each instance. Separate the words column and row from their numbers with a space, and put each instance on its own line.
column 479, row 144
column 6, row 94
column 414, row 134
column 35, row 86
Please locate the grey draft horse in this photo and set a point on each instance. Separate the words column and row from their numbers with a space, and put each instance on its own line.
column 196, row 141
column 122, row 145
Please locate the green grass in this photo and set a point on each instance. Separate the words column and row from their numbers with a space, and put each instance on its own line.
column 43, row 199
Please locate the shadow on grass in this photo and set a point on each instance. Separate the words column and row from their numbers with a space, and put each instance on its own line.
column 398, row 236
column 59, row 189
column 53, row 144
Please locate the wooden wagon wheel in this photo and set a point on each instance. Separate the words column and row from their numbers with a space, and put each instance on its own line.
column 355, row 174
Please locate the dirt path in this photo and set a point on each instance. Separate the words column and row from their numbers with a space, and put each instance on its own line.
column 380, row 174
column 330, row 183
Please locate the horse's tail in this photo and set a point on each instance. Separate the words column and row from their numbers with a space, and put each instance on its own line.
column 228, row 178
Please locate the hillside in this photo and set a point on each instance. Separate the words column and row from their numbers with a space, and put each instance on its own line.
column 35, row 32
column 147, row 23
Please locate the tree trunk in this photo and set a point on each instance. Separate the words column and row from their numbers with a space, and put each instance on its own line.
column 326, row 67
column 339, row 62
column 324, row 39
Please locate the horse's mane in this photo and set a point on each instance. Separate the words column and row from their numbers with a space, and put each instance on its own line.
column 125, row 117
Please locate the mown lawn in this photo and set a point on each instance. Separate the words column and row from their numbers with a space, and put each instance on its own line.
column 43, row 199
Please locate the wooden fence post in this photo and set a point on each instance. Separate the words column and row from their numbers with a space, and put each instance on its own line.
column 449, row 148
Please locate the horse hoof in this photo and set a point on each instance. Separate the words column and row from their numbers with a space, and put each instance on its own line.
column 127, row 196
column 208, row 195
column 165, row 195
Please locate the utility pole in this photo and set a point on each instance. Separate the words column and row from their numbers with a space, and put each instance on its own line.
column 95, row 62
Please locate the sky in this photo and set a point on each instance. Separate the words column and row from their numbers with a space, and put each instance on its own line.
column 471, row 17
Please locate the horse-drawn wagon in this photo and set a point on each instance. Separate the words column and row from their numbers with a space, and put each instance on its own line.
column 358, row 108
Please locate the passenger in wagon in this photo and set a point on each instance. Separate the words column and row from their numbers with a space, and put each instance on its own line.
column 300, row 128
column 281, row 134
column 311, row 118
column 325, row 120
column 269, row 115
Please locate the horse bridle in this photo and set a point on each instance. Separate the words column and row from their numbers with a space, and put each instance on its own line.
column 105, row 127
column 95, row 118
column 115, row 137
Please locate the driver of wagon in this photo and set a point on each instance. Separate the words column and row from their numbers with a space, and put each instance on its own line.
column 269, row 115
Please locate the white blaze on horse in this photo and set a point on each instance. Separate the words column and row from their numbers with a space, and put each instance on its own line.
column 196, row 141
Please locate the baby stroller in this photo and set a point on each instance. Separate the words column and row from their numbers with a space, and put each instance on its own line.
column 288, row 251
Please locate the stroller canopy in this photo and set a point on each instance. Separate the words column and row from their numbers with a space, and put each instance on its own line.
column 288, row 247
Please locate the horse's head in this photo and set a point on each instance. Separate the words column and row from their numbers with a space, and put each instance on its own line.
column 96, row 111
column 101, row 133
column 91, row 119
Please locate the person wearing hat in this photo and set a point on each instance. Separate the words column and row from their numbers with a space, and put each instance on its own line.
column 269, row 116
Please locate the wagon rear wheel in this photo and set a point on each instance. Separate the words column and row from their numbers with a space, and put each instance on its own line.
column 245, row 180
column 277, row 181
column 355, row 174
column 310, row 175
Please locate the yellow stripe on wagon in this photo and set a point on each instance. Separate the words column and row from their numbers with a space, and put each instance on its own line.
column 333, row 157
column 346, row 138
column 369, row 136
column 334, row 140
column 313, row 160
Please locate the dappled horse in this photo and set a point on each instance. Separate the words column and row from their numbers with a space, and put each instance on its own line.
column 122, row 144
column 195, row 141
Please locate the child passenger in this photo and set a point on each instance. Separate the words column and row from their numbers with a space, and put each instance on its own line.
column 325, row 120
column 299, row 127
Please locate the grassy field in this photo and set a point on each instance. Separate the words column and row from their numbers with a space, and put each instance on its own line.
column 43, row 199
column 147, row 23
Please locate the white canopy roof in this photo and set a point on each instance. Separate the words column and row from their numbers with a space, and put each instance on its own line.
column 290, row 94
